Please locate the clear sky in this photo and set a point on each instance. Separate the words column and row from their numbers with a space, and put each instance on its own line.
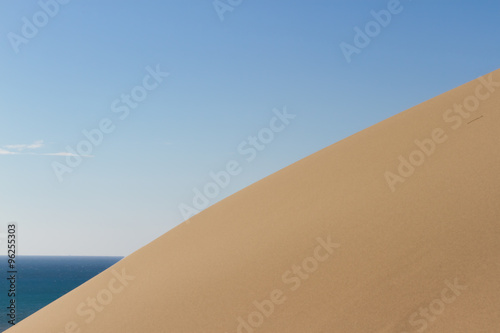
column 87, row 65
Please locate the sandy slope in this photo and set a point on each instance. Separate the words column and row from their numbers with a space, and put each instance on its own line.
column 423, row 256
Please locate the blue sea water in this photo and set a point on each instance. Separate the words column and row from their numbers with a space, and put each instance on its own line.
column 42, row 280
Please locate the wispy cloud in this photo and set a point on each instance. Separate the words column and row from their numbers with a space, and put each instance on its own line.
column 6, row 152
column 21, row 147
column 64, row 153
column 27, row 149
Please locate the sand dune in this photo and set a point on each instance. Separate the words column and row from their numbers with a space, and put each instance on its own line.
column 394, row 229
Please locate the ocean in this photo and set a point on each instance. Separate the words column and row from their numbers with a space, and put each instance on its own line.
column 42, row 280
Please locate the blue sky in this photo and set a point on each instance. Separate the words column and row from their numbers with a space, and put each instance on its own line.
column 225, row 79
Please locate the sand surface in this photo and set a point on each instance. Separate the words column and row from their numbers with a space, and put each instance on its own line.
column 340, row 241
